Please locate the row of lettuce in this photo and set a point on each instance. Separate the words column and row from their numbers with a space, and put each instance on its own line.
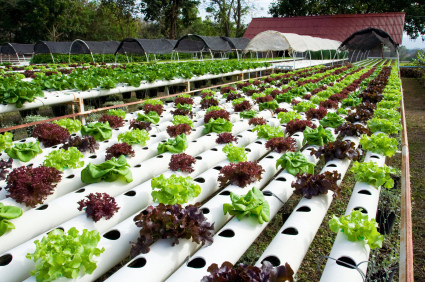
column 322, row 89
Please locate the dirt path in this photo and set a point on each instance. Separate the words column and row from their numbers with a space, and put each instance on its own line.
column 414, row 95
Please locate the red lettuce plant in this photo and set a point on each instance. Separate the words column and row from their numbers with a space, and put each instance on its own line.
column 217, row 114
column 309, row 185
column 264, row 99
column 281, row 145
column 82, row 144
column 244, row 106
column 280, row 110
column 240, row 174
column 337, row 150
column 297, row 125
column 182, row 162
column 295, row 102
column 350, row 129
column 31, row 186
column 171, row 222
column 227, row 89
column 136, row 124
column 99, row 205
column 275, row 92
column 242, row 85
column 159, row 109
column 226, row 137
column 232, row 96
column 366, row 106
column 119, row 149
column 4, row 168
column 318, row 113
column 338, row 97
column 183, row 101
column 257, row 121
column 174, row 130
column 182, row 112
column 329, row 104
column 114, row 121
column 206, row 103
column 306, row 96
column 208, row 93
column 50, row 134
column 362, row 116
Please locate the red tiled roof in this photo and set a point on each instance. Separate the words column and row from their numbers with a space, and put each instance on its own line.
column 336, row 27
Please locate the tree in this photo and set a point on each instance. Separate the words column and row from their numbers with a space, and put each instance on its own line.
column 415, row 10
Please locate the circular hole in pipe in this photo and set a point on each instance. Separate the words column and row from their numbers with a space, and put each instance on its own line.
column 74, row 134
column 138, row 165
column 205, row 210
column 248, row 149
column 137, row 263
column 363, row 210
column 194, row 129
column 42, row 208
column 163, row 141
column 228, row 233
column 80, row 191
column 70, row 176
column 304, row 209
column 269, row 157
column 296, row 135
column 208, row 135
column 225, row 193
column 259, row 142
column 283, row 179
column 93, row 157
column 23, row 140
column 199, row 180
column 364, row 192
column 130, row 193
column 331, row 165
column 145, row 148
column 273, row 260
column 197, row 263
column 346, row 262
column 267, row 193
column 374, row 157
column 112, row 235
column 5, row 259
column 116, row 129
column 106, row 141
column 54, row 147
column 198, row 158
column 239, row 135
column 153, row 135
column 194, row 141
column 250, row 130
column 28, row 165
column 218, row 168
column 290, row 231
column 214, row 149
column 159, row 157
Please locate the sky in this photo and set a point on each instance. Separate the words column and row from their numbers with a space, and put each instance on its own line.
column 262, row 8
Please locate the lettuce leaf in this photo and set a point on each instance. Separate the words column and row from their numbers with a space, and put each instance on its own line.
column 24, row 151
column 135, row 136
column 174, row 145
column 6, row 213
column 294, row 163
column 174, row 190
column 332, row 120
column 72, row 125
column 108, row 171
column 318, row 136
column 6, row 140
column 374, row 174
column 152, row 117
column 379, row 143
column 100, row 131
column 218, row 126
column 61, row 159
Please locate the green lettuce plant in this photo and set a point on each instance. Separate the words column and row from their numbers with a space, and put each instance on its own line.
column 390, row 114
column 286, row 117
column 24, row 151
column 318, row 136
column 152, row 117
column 213, row 108
column 267, row 131
column 218, row 126
column 117, row 112
column 252, row 204
column 109, row 171
column 357, row 227
column 272, row 105
column 374, row 174
column 258, row 95
column 294, row 163
column 135, row 136
column 285, row 97
column 316, row 99
column 6, row 140
column 331, row 120
column 351, row 101
column 304, row 106
column 72, row 125
column 174, row 145
column 174, row 189
column 7, row 213
column 248, row 114
column 153, row 102
column 186, row 107
column 384, row 125
column 100, row 131
column 238, row 101
column 379, row 143
column 234, row 153
column 388, row 104
column 62, row 159
column 341, row 111
column 65, row 255
column 182, row 119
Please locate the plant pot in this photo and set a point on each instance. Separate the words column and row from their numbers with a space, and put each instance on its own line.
column 382, row 276
column 385, row 220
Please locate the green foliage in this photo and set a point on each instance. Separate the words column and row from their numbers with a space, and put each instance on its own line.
column 383, row 113
column 272, row 105
column 108, row 171
column 152, row 117
column 174, row 145
column 332, row 120
column 135, row 136
column 186, row 107
column 153, row 102
column 294, row 163
column 267, row 131
column 213, row 108
column 61, row 159
column 286, row 117
column 388, row 105
column 218, row 126
column 182, row 119
column 174, row 190
column 357, row 227
column 100, row 131
column 384, row 125
column 248, row 114
column 316, row 99
column 341, row 111
column 234, row 153
column 65, row 255
column 374, row 174
column 24, row 151
column 7, row 213
column 304, row 106
column 258, row 95
column 351, row 102
column 6, row 140
column 72, row 125
column 117, row 112
column 252, row 204
column 379, row 143
column 238, row 101
column 318, row 136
